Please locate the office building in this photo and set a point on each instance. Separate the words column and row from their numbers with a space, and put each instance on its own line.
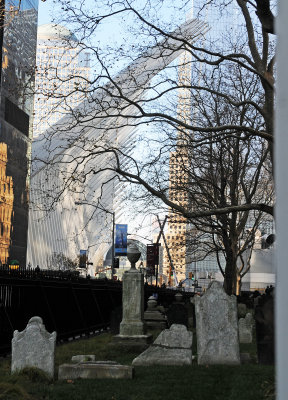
column 18, row 53
column 175, row 263
column 62, row 71
column 222, row 22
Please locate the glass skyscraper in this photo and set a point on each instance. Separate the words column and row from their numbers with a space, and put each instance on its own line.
column 62, row 70
column 18, row 52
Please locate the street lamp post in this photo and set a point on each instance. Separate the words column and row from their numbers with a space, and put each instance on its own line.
column 113, row 244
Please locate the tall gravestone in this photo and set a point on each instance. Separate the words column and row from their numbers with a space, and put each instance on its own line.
column 246, row 329
column 133, row 304
column 132, row 324
column 217, row 327
column 33, row 347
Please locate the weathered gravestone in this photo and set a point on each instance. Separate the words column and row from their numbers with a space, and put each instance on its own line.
column 246, row 329
column 217, row 327
column 83, row 358
column 177, row 312
column 95, row 370
column 132, row 329
column 133, row 304
column 153, row 317
column 242, row 310
column 172, row 347
column 33, row 347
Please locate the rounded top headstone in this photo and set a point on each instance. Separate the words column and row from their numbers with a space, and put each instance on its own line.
column 178, row 297
column 152, row 302
column 215, row 285
column 37, row 320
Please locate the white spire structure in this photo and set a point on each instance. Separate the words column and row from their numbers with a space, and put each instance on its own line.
column 82, row 154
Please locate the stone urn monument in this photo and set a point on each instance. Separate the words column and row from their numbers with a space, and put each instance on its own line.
column 132, row 325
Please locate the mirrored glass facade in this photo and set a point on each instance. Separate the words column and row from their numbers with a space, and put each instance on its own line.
column 18, row 47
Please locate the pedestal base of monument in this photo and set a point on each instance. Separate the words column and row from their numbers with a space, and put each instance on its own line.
column 95, row 370
column 138, row 341
column 132, row 328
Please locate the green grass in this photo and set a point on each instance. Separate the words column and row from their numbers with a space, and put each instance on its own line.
column 247, row 382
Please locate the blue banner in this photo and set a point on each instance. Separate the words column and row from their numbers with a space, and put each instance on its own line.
column 83, row 258
column 121, row 240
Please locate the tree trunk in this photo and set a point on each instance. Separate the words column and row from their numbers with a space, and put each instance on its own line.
column 239, row 284
column 230, row 279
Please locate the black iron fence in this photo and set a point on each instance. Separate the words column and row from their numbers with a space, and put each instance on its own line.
column 37, row 273
column 68, row 304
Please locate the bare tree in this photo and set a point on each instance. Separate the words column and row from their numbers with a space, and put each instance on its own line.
column 59, row 262
column 225, row 174
column 233, row 102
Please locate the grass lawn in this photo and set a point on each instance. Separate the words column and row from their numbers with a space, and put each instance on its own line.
column 245, row 382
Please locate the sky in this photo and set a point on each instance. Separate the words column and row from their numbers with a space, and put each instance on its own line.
column 47, row 10
column 44, row 13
